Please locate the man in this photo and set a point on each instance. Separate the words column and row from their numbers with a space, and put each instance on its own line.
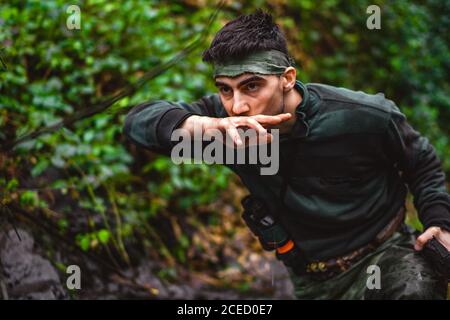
column 345, row 158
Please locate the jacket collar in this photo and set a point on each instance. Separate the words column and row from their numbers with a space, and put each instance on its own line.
column 303, row 112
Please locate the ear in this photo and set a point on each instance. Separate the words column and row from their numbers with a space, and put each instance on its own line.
column 289, row 76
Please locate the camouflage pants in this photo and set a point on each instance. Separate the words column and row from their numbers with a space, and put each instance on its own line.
column 404, row 274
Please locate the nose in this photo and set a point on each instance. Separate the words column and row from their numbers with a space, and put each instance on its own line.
column 240, row 106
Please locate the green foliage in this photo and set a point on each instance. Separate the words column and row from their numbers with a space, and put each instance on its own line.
column 53, row 73
column 93, row 239
column 191, row 184
column 29, row 199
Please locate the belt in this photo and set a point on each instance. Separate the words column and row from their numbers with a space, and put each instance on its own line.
column 329, row 268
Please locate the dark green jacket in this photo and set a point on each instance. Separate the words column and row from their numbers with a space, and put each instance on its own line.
column 344, row 168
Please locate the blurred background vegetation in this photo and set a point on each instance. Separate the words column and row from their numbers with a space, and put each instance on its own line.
column 101, row 195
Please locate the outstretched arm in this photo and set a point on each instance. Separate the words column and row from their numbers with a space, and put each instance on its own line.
column 151, row 124
column 423, row 173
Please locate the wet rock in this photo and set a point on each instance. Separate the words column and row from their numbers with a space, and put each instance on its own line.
column 27, row 275
column 146, row 277
column 272, row 283
column 282, row 284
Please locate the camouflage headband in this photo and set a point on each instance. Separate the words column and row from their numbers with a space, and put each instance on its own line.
column 263, row 62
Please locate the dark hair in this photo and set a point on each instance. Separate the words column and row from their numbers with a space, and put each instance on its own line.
column 246, row 34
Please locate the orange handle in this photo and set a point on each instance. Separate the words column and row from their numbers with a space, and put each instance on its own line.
column 285, row 248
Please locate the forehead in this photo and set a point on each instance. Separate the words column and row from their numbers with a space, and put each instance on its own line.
column 241, row 79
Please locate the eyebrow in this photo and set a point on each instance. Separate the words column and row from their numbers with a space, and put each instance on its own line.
column 243, row 82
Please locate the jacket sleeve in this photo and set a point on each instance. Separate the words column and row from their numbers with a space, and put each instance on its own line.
column 150, row 124
column 422, row 171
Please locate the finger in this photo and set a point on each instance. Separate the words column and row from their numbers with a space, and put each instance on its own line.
column 269, row 119
column 266, row 139
column 234, row 134
column 261, row 137
column 285, row 116
column 246, row 123
column 425, row 237
column 272, row 120
column 255, row 125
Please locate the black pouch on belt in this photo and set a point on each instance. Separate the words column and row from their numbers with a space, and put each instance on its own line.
column 262, row 224
column 271, row 234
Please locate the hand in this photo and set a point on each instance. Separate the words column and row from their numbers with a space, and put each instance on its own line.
column 229, row 125
column 442, row 236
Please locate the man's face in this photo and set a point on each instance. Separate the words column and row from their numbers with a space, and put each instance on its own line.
column 251, row 94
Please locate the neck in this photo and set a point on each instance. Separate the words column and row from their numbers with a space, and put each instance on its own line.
column 291, row 100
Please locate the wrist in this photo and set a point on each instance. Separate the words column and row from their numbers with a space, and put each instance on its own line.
column 201, row 122
column 190, row 123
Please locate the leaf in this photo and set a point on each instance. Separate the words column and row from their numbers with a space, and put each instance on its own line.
column 39, row 167
column 84, row 242
column 103, row 236
column 29, row 198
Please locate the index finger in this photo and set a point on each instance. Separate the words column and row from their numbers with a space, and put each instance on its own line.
column 275, row 119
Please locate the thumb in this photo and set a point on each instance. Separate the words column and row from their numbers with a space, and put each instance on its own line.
column 425, row 237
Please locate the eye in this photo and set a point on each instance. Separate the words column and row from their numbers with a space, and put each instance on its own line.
column 225, row 90
column 252, row 87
